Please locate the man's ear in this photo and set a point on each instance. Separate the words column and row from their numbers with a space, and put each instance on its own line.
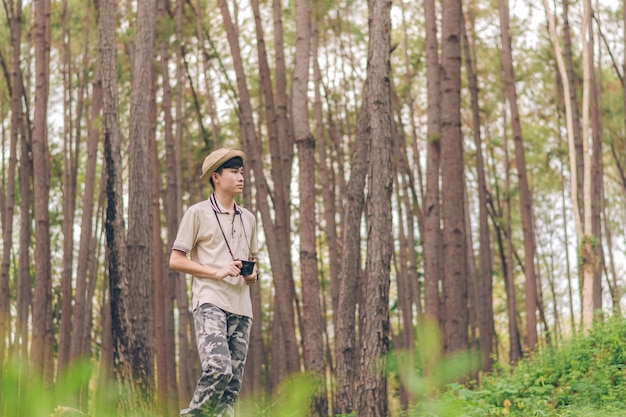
column 215, row 176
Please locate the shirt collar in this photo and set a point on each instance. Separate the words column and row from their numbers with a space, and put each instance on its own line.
column 219, row 208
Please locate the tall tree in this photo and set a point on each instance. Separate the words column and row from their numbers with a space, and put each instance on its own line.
column 588, row 240
column 165, row 342
column 139, row 241
column 371, row 390
column 312, row 326
column 42, row 336
column 484, row 296
column 85, row 255
column 432, row 240
column 351, row 273
column 114, row 225
column 522, row 177
column 452, row 176
column 69, row 194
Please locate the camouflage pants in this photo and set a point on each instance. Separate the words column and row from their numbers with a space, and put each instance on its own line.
column 223, row 347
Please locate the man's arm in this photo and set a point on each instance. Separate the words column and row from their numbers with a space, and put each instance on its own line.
column 180, row 262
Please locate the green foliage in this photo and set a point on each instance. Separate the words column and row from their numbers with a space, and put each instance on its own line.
column 24, row 393
column 585, row 377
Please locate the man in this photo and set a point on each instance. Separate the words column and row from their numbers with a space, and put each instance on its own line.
column 218, row 235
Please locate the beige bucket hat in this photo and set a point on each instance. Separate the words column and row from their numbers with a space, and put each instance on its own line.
column 216, row 158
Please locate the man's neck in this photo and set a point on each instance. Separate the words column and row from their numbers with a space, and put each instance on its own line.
column 227, row 201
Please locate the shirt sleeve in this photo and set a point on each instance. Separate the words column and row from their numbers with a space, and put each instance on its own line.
column 187, row 231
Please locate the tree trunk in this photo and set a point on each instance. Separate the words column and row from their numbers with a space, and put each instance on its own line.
column 520, row 161
column 587, row 241
column 42, row 332
column 371, row 390
column 432, row 241
column 165, row 347
column 69, row 196
column 114, row 225
column 515, row 346
column 24, row 288
column 174, row 156
column 484, row 302
column 454, row 239
column 597, row 176
column 139, row 241
column 85, row 255
column 312, row 328
column 573, row 81
column 345, row 346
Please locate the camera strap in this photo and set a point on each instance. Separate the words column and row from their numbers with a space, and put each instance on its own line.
column 224, row 234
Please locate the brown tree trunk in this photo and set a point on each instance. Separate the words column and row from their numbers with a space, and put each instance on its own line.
column 525, row 197
column 69, row 196
column 597, row 175
column 165, row 343
column 515, row 345
column 114, row 225
column 85, row 255
column 312, row 327
column 139, row 240
column 174, row 157
column 350, row 273
column 484, row 301
column 42, row 332
column 432, row 242
column 24, row 288
column 452, row 175
column 371, row 389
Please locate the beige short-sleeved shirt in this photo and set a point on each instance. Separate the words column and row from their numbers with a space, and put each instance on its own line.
column 200, row 237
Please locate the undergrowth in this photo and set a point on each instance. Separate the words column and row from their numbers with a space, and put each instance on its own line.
column 586, row 376
column 583, row 377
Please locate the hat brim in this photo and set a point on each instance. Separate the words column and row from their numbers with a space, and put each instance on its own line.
column 227, row 156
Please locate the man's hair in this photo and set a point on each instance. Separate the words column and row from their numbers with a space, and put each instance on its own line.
column 235, row 162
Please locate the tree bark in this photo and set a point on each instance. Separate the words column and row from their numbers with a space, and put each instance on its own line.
column 587, row 240
column 350, row 273
column 452, row 175
column 432, row 242
column 115, row 230
column 139, row 240
column 167, row 390
column 85, row 255
column 42, row 332
column 70, row 166
column 371, row 390
column 312, row 328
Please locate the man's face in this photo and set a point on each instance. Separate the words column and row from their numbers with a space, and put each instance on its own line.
column 230, row 180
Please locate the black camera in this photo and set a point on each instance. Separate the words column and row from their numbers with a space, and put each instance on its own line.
column 247, row 267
